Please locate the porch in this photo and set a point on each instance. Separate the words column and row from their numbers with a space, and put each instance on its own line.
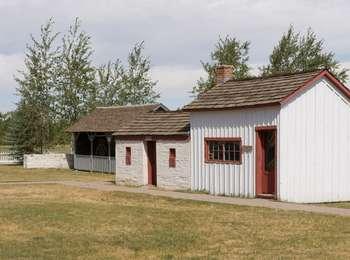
column 94, row 152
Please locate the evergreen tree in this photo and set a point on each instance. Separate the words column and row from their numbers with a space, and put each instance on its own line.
column 228, row 51
column 296, row 53
column 76, row 89
column 22, row 135
column 137, row 85
column 36, row 87
column 4, row 126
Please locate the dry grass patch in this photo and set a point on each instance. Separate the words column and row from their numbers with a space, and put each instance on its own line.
column 18, row 173
column 344, row 205
column 54, row 221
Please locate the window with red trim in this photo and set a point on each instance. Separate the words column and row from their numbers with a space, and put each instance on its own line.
column 172, row 157
column 223, row 150
column 128, row 155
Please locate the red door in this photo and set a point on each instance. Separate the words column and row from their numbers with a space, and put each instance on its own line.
column 152, row 163
column 266, row 162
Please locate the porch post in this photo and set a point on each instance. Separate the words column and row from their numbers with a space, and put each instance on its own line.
column 91, row 139
column 73, row 148
column 109, row 140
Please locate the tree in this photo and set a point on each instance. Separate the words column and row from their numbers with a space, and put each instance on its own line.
column 296, row 53
column 228, row 51
column 76, row 89
column 109, row 81
column 4, row 125
column 60, row 84
column 22, row 135
column 131, row 84
column 36, row 90
column 137, row 85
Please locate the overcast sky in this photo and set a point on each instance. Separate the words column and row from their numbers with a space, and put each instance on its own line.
column 177, row 34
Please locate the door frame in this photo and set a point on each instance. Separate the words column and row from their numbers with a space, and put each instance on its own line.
column 258, row 151
column 152, row 164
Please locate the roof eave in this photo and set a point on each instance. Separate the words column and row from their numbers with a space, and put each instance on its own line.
column 276, row 103
column 146, row 137
column 150, row 134
column 324, row 73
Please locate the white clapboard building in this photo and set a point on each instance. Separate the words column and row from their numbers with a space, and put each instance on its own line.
column 285, row 137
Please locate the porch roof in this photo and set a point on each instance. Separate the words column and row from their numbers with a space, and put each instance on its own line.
column 111, row 119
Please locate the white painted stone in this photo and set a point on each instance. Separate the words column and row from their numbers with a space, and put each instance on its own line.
column 137, row 172
column 59, row 161
column 180, row 176
column 134, row 173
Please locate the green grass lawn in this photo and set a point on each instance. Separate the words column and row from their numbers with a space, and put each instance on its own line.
column 59, row 222
column 18, row 173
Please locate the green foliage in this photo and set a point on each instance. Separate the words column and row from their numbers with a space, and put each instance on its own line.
column 60, row 84
column 36, row 91
column 4, row 126
column 228, row 51
column 138, row 88
column 131, row 84
column 76, row 90
column 296, row 53
column 23, row 135
column 109, row 82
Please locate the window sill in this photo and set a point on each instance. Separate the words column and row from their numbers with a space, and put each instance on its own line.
column 222, row 162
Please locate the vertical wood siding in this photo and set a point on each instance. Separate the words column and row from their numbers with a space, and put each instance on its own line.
column 228, row 179
column 315, row 146
column 98, row 163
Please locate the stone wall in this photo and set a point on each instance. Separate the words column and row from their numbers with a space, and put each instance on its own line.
column 135, row 172
column 178, row 177
column 59, row 161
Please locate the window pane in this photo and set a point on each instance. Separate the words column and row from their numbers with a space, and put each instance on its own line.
column 216, row 155
column 221, row 155
column 232, row 156
column 237, row 156
column 227, row 156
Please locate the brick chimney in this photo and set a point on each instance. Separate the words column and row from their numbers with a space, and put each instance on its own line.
column 223, row 73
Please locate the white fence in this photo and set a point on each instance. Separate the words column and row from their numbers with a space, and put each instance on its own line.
column 7, row 158
column 94, row 163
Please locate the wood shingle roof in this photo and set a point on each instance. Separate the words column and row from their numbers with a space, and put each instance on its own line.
column 169, row 123
column 251, row 92
column 111, row 119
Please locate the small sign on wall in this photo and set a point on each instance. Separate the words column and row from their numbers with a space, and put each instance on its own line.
column 247, row 148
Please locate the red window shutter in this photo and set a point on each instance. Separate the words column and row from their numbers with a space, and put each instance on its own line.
column 128, row 155
column 172, row 158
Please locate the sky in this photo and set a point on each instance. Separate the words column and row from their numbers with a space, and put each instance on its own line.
column 177, row 34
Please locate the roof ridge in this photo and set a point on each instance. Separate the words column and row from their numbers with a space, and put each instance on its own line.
column 124, row 106
column 168, row 112
column 282, row 74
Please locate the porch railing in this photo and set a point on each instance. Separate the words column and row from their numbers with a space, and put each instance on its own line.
column 94, row 163
column 8, row 158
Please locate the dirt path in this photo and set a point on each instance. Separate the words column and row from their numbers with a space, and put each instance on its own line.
column 109, row 186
